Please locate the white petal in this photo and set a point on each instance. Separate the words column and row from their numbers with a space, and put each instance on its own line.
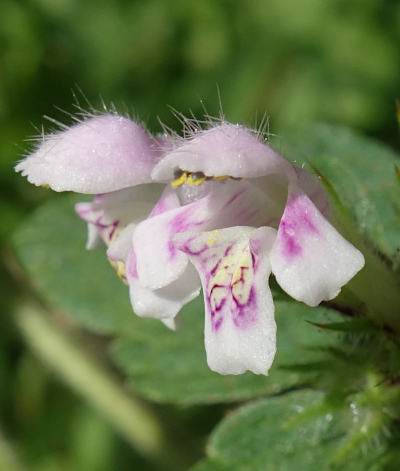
column 310, row 259
column 162, row 303
column 111, row 212
column 231, row 203
column 225, row 149
column 99, row 155
column 93, row 238
column 120, row 248
column 173, row 323
column 234, row 269
column 168, row 200
column 313, row 189
column 158, row 262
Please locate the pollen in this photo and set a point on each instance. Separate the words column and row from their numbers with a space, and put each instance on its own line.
column 214, row 235
column 222, row 178
column 196, row 178
column 179, row 181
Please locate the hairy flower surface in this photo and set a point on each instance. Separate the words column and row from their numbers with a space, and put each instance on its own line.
column 218, row 209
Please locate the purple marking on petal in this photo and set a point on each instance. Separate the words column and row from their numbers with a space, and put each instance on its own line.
column 231, row 299
column 255, row 247
column 217, row 265
column 165, row 203
column 245, row 315
column 296, row 224
column 234, row 197
column 190, row 251
column 241, row 280
column 159, row 208
column 171, row 250
column 97, row 198
column 217, row 324
column 228, row 249
column 216, row 316
column 82, row 212
column 219, row 306
column 186, row 247
column 131, row 265
column 114, row 227
column 290, row 248
column 183, row 221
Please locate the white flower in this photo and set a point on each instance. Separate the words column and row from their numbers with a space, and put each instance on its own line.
column 219, row 209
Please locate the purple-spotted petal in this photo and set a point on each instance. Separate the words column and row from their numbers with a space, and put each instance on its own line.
column 310, row 259
column 234, row 269
column 158, row 262
column 108, row 214
column 228, row 204
column 101, row 154
column 162, row 303
column 226, row 149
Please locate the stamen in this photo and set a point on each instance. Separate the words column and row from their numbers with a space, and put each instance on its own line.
column 196, row 178
column 221, row 178
column 180, row 180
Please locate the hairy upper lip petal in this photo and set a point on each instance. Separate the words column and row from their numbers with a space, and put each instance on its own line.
column 225, row 149
column 98, row 155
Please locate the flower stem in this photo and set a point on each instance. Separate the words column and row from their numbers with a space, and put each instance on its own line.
column 131, row 417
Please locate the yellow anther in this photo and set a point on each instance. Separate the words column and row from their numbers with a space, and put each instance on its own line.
column 196, row 178
column 45, row 185
column 180, row 180
column 196, row 181
column 221, row 178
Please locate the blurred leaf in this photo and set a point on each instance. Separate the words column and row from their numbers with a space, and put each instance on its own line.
column 297, row 431
column 170, row 366
column 51, row 246
column 354, row 325
column 359, row 169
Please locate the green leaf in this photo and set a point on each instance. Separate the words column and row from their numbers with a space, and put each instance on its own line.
column 361, row 172
column 297, row 431
column 51, row 247
column 359, row 324
column 170, row 366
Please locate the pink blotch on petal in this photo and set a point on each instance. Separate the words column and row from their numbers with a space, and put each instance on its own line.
column 296, row 223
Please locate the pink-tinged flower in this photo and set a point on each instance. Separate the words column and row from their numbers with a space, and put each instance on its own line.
column 219, row 209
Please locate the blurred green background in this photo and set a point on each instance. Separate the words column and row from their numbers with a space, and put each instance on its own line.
column 293, row 60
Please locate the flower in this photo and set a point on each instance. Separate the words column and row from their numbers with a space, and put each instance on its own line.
column 218, row 209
